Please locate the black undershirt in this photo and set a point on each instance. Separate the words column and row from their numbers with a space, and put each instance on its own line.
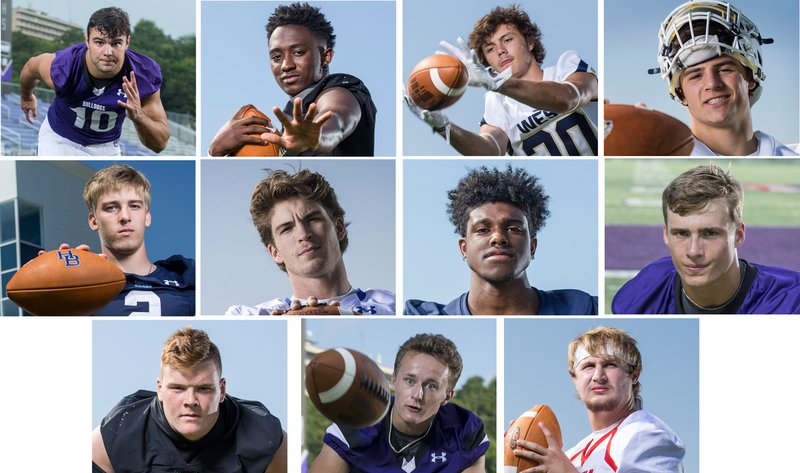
column 684, row 306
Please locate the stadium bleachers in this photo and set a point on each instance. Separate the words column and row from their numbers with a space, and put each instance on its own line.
column 19, row 137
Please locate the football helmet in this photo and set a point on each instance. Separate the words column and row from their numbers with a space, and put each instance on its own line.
column 698, row 31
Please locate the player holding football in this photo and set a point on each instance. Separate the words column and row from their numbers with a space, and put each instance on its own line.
column 498, row 215
column 423, row 432
column 703, row 228
column 118, row 199
column 605, row 366
column 190, row 423
column 301, row 223
column 530, row 110
column 97, row 85
column 327, row 114
column 710, row 55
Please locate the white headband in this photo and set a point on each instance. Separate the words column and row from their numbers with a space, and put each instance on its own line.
column 608, row 350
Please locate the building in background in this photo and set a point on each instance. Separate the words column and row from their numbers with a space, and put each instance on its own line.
column 39, row 24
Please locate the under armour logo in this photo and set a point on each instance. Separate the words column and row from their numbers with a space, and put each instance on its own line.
column 69, row 258
column 168, row 282
column 441, row 456
column 409, row 466
column 120, row 93
column 366, row 310
column 99, row 91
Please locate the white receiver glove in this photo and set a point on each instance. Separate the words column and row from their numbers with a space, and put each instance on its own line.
column 479, row 76
column 435, row 119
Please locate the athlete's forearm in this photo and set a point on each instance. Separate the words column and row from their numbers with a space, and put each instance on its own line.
column 28, row 78
column 153, row 134
column 546, row 95
column 472, row 144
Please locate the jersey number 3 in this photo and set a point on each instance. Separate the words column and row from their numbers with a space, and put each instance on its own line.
column 152, row 301
column 96, row 119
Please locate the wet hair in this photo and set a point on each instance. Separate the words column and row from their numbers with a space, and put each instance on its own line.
column 114, row 178
column 695, row 188
column 302, row 14
column 600, row 340
column 513, row 186
column 111, row 22
column 188, row 347
column 513, row 15
column 279, row 186
column 437, row 346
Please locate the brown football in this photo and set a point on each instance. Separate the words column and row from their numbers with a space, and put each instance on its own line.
column 526, row 427
column 347, row 387
column 437, row 81
column 65, row 282
column 635, row 131
column 267, row 150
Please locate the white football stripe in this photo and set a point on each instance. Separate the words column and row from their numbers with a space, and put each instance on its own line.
column 509, row 469
column 442, row 87
column 341, row 387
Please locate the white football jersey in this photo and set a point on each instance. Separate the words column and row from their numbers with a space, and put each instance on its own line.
column 369, row 302
column 767, row 146
column 640, row 442
column 534, row 132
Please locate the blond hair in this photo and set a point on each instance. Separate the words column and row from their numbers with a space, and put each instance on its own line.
column 188, row 347
column 114, row 178
column 600, row 341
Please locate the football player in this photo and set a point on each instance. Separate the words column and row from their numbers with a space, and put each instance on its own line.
column 709, row 53
column 703, row 228
column 190, row 423
column 530, row 110
column 327, row 114
column 98, row 83
column 423, row 432
column 301, row 223
column 605, row 366
column 498, row 215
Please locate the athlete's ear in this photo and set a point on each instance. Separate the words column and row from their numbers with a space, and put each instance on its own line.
column 665, row 235
column 462, row 247
column 534, row 243
column 341, row 229
column 93, row 222
column 222, row 384
column 275, row 254
column 739, row 235
column 327, row 56
column 147, row 219
column 450, row 394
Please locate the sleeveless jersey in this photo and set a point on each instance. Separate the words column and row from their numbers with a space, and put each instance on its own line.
column 138, row 438
column 534, row 132
column 557, row 302
column 369, row 302
column 456, row 440
column 361, row 142
column 640, row 442
column 169, row 290
column 87, row 115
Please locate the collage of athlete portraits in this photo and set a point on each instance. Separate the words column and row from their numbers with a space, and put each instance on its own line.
column 399, row 236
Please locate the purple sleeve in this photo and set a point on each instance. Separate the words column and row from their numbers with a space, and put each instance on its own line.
column 148, row 73
column 650, row 292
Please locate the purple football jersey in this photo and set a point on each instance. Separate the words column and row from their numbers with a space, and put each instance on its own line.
column 89, row 116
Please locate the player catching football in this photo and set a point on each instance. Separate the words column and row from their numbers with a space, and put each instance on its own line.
column 710, row 55
column 301, row 223
column 605, row 366
column 327, row 114
column 530, row 110
column 498, row 215
column 190, row 423
column 98, row 83
column 703, row 230
column 422, row 432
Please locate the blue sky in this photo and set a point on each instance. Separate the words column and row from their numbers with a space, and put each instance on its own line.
column 79, row 11
column 566, row 256
column 236, row 266
column 536, row 373
column 427, row 23
column 235, row 67
column 631, row 40
column 380, row 339
column 126, row 357
column 172, row 206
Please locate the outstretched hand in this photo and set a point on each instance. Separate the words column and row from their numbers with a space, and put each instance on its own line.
column 133, row 102
column 300, row 133
column 479, row 76
column 64, row 246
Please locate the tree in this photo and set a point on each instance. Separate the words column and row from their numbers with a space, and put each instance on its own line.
column 482, row 401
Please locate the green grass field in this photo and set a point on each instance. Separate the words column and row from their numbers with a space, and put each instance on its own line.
column 633, row 193
column 639, row 183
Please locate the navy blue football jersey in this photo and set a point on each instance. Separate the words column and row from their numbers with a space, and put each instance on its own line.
column 557, row 302
column 169, row 290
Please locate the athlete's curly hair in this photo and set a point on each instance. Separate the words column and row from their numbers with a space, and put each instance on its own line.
column 111, row 21
column 513, row 15
column 302, row 14
column 437, row 346
column 188, row 347
column 280, row 186
column 512, row 186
